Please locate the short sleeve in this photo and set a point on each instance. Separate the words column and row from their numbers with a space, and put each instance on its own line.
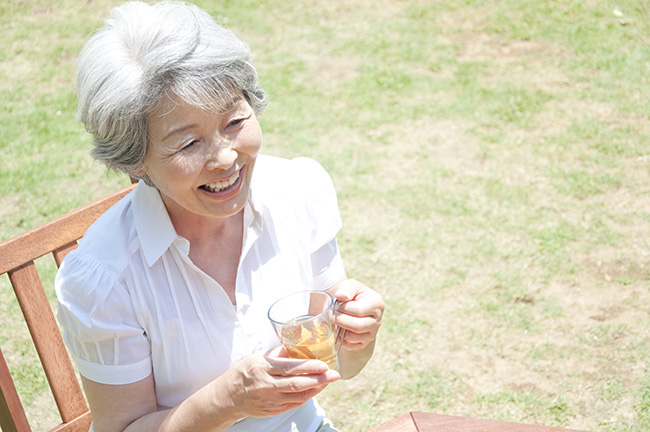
column 327, row 266
column 323, row 212
column 316, row 191
column 100, row 326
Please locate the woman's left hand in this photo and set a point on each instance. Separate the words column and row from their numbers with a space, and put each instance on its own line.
column 360, row 313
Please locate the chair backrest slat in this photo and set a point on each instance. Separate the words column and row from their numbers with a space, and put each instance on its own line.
column 12, row 414
column 80, row 424
column 17, row 256
column 61, row 252
column 54, row 234
column 51, row 350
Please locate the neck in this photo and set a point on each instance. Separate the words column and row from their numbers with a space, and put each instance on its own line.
column 200, row 230
column 215, row 248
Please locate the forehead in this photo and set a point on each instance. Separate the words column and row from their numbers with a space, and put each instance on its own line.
column 170, row 107
column 171, row 114
column 172, row 104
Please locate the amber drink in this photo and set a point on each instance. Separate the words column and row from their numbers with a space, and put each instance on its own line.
column 304, row 323
column 305, row 338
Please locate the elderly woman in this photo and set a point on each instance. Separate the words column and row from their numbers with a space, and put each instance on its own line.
column 164, row 304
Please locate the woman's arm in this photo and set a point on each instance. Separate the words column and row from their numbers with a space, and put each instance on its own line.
column 360, row 315
column 133, row 407
column 261, row 385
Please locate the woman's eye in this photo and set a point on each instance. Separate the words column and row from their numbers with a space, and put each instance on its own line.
column 234, row 123
column 189, row 145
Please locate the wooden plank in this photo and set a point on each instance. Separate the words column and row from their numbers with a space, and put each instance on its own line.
column 403, row 423
column 428, row 422
column 17, row 256
column 55, row 234
column 48, row 341
column 12, row 414
column 60, row 253
column 81, row 424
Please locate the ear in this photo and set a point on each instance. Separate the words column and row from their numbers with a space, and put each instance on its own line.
column 139, row 172
column 136, row 175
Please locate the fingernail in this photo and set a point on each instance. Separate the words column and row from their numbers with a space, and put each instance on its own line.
column 333, row 375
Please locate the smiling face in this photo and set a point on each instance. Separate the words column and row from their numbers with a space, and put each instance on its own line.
column 201, row 161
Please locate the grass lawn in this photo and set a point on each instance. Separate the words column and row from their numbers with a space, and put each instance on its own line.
column 492, row 164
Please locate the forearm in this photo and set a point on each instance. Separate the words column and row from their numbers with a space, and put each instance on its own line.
column 351, row 362
column 133, row 408
column 206, row 410
column 261, row 385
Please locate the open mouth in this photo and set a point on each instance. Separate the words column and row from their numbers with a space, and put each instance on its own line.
column 222, row 185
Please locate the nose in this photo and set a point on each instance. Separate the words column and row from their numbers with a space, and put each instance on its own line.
column 221, row 157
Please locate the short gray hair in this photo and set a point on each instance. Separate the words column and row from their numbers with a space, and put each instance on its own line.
column 144, row 53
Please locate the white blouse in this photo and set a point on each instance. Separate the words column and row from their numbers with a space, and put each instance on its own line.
column 132, row 303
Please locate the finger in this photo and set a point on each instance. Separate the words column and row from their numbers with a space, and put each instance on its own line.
column 286, row 401
column 306, row 383
column 357, row 309
column 303, row 397
column 278, row 351
column 357, row 341
column 356, row 338
column 346, row 290
column 354, row 346
column 284, row 366
column 359, row 325
column 366, row 303
column 293, row 400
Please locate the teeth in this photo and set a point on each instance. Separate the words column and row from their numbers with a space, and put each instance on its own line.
column 224, row 184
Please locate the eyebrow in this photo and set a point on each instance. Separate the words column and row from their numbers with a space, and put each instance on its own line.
column 178, row 131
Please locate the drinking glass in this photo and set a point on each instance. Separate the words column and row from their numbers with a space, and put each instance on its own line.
column 304, row 322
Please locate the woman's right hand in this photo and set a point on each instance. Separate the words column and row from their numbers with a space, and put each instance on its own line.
column 270, row 383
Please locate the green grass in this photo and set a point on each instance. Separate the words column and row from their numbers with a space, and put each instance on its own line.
column 491, row 160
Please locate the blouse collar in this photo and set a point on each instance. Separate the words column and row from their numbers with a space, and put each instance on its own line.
column 157, row 233
column 152, row 223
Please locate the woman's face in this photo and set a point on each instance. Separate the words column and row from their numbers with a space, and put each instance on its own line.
column 200, row 161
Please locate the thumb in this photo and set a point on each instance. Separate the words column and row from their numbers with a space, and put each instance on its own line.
column 278, row 351
column 346, row 290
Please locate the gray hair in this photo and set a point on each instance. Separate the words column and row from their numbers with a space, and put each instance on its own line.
column 144, row 53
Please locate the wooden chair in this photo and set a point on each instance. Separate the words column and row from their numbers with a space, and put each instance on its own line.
column 17, row 257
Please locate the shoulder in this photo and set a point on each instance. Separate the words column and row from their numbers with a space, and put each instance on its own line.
column 300, row 196
column 103, row 252
column 110, row 239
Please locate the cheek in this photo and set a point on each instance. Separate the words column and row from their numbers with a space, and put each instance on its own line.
column 186, row 165
column 251, row 139
column 173, row 171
